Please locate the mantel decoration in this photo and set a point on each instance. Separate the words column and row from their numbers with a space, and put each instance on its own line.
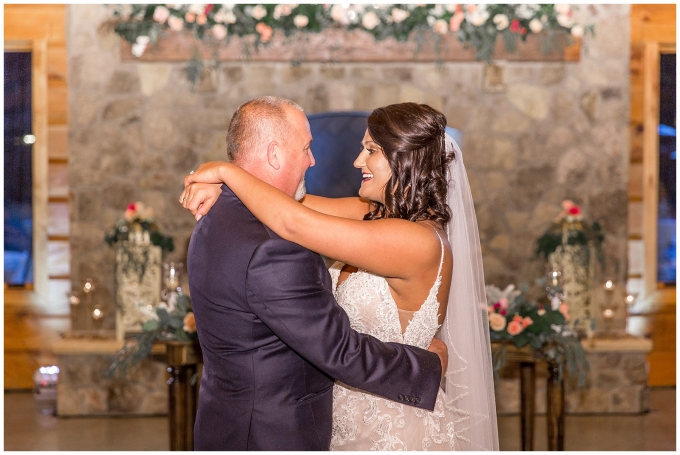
column 575, row 247
column 173, row 320
column 476, row 26
column 138, row 266
column 541, row 325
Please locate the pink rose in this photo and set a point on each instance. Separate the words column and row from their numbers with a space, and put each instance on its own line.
column 526, row 322
column 201, row 19
column 189, row 323
column 517, row 318
column 504, row 303
column 564, row 309
column 515, row 328
column 514, row 26
column 456, row 20
column 265, row 31
column 567, row 204
column 190, row 17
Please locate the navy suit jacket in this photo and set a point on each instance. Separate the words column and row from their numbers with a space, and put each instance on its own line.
column 274, row 338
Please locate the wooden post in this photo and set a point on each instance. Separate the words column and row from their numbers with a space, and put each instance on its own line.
column 527, row 375
column 183, row 360
column 555, row 415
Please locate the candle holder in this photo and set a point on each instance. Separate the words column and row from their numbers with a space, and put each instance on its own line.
column 88, row 289
column 74, row 302
column 97, row 317
column 609, row 306
column 554, row 286
column 171, row 286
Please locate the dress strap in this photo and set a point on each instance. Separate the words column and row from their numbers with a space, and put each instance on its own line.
column 441, row 261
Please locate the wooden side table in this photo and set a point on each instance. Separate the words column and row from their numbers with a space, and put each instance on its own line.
column 183, row 360
column 527, row 358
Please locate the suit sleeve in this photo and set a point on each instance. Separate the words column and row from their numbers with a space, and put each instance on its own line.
column 286, row 293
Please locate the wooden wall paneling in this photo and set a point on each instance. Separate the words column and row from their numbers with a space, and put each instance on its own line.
column 39, row 163
column 57, row 103
column 57, row 139
column 36, row 22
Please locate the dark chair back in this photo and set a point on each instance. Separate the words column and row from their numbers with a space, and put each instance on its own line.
column 337, row 143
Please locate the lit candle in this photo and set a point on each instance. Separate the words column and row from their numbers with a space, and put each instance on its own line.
column 609, row 285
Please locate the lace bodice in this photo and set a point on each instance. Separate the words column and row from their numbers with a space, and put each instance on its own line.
column 367, row 300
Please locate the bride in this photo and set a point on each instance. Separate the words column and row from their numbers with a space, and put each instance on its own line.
column 401, row 246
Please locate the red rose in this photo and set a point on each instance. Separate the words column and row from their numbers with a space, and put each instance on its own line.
column 131, row 206
column 208, row 8
column 514, row 26
column 575, row 210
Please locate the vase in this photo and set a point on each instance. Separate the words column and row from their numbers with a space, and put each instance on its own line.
column 138, row 286
column 577, row 267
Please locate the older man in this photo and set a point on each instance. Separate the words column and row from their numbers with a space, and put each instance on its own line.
column 273, row 337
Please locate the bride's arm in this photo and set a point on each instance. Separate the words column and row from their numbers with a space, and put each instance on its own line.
column 346, row 207
column 393, row 248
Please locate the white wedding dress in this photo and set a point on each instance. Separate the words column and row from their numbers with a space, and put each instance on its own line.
column 362, row 421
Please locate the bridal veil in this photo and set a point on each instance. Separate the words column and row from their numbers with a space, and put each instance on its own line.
column 469, row 377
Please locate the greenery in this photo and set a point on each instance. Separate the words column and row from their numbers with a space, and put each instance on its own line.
column 174, row 323
column 516, row 320
column 476, row 26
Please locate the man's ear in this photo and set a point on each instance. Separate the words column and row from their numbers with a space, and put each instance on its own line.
column 273, row 155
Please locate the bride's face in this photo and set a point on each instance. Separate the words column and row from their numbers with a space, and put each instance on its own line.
column 375, row 170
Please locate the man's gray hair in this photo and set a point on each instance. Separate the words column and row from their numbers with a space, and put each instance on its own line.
column 256, row 123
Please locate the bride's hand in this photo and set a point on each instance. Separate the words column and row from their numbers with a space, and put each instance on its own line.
column 209, row 172
column 198, row 198
column 438, row 347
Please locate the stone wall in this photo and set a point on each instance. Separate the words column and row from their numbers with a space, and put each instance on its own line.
column 545, row 132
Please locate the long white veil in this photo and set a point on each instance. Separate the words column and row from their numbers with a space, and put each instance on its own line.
column 469, row 377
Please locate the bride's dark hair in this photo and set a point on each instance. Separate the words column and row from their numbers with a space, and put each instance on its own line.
column 412, row 137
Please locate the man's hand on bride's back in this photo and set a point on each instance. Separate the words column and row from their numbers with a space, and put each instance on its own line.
column 438, row 347
column 198, row 198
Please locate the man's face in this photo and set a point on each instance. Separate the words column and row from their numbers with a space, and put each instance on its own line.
column 298, row 154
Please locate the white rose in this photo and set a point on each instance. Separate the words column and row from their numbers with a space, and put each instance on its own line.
column 536, row 25
column 196, row 9
column 431, row 20
column 258, row 12
column 138, row 49
column 300, row 21
column 497, row 322
column 438, row 10
column 219, row 31
column 562, row 9
column 338, row 14
column 161, row 14
column 219, row 17
column 398, row 15
column 370, row 20
column 501, row 21
column 478, row 17
column 229, row 17
column 281, row 10
column 525, row 11
column 577, row 31
column 142, row 40
column 564, row 20
column 441, row 27
column 175, row 23
column 450, row 7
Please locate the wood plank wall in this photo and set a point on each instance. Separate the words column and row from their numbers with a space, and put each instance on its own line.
column 31, row 326
column 648, row 24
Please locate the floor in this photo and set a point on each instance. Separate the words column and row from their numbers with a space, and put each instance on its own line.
column 27, row 429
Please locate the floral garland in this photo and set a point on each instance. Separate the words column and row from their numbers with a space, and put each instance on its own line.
column 474, row 25
column 138, row 225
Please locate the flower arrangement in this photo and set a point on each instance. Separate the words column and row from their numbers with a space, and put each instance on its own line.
column 477, row 26
column 543, row 326
column 138, row 225
column 173, row 320
column 569, row 228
